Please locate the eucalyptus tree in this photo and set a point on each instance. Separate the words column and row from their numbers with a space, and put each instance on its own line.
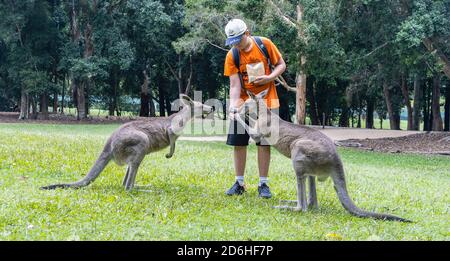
column 428, row 25
column 31, row 44
column 146, row 29
column 113, row 53
column 82, row 67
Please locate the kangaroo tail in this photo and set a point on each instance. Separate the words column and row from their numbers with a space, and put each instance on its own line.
column 347, row 203
column 95, row 171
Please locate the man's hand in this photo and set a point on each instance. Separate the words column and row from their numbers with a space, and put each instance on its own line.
column 232, row 113
column 261, row 80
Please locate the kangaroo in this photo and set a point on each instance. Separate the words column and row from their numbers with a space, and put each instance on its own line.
column 313, row 155
column 132, row 141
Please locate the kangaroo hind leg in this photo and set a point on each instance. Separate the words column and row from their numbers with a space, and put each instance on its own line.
column 298, row 162
column 125, row 179
column 312, row 203
column 130, row 177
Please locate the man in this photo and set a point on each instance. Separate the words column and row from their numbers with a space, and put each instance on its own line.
column 250, row 56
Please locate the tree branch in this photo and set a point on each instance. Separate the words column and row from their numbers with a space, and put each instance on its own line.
column 373, row 51
column 283, row 82
column 288, row 20
column 188, row 86
column 171, row 70
column 376, row 49
column 209, row 42
column 442, row 58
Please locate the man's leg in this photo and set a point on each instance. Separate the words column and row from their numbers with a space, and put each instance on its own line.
column 263, row 166
column 240, row 158
column 263, row 160
column 238, row 138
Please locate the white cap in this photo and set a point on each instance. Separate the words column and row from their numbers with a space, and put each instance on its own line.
column 234, row 31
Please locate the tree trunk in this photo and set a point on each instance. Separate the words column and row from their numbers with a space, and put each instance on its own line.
column 73, row 89
column 78, row 85
column 113, row 101
column 116, row 96
column 394, row 123
column 224, row 103
column 343, row 117
column 405, row 93
column 44, row 106
column 300, row 100
column 144, row 111
column 168, row 106
column 314, row 116
column 118, row 111
column 162, row 97
column 284, row 105
column 34, row 110
column 370, row 110
column 180, row 76
column 352, row 118
column 81, row 101
column 63, row 95
column 358, row 125
column 55, row 102
column 24, row 105
column 111, row 106
column 447, row 108
column 188, row 85
column 300, row 77
column 418, row 100
column 435, row 106
column 426, row 108
column 86, row 95
column 162, row 104
column 84, row 83
column 152, row 107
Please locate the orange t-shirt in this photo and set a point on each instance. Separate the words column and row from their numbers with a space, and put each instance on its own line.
column 255, row 56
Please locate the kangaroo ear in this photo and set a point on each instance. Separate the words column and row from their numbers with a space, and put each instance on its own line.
column 251, row 95
column 262, row 94
column 185, row 99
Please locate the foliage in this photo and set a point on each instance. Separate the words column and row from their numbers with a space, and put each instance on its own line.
column 352, row 49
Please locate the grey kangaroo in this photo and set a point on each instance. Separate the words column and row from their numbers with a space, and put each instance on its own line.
column 313, row 154
column 132, row 141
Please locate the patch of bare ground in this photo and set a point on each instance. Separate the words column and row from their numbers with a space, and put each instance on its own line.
column 424, row 143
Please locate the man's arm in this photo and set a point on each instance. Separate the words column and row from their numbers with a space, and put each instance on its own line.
column 235, row 90
column 279, row 68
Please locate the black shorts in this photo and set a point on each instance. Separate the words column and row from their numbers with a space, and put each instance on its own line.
column 238, row 136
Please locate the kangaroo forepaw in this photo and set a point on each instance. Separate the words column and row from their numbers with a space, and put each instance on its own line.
column 168, row 156
column 291, row 208
column 288, row 202
column 313, row 205
column 291, row 205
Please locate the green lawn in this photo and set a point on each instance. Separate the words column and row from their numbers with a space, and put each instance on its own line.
column 184, row 198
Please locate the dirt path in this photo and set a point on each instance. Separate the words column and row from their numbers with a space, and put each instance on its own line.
column 392, row 141
column 367, row 139
column 335, row 133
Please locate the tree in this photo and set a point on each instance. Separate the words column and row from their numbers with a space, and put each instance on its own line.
column 428, row 24
column 146, row 25
column 31, row 40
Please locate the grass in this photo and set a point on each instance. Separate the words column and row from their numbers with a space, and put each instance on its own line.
column 184, row 197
